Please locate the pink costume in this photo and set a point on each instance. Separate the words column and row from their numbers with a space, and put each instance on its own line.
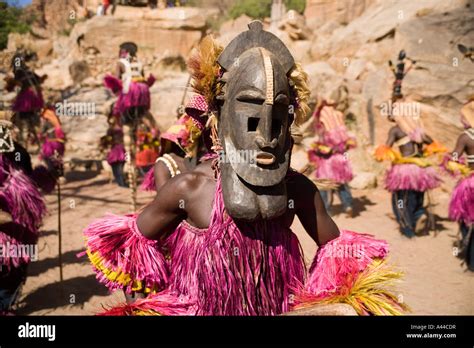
column 21, row 199
column 329, row 154
column 132, row 90
column 220, row 270
column 461, row 206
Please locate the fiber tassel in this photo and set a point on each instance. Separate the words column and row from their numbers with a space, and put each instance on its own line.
column 14, row 236
column 411, row 177
column 334, row 261
column 24, row 201
column 350, row 269
column 336, row 168
column 113, row 83
column 148, row 183
column 249, row 269
column 151, row 80
column 366, row 291
column 461, row 206
column 43, row 179
column 386, row 153
column 123, row 258
column 164, row 303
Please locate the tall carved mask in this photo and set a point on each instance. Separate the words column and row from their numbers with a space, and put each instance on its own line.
column 254, row 121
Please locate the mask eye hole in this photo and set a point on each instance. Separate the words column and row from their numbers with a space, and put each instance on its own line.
column 252, row 124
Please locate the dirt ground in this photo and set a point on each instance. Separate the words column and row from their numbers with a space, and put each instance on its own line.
column 434, row 283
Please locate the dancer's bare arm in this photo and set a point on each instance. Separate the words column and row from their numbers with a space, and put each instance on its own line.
column 186, row 196
column 162, row 174
column 165, row 213
column 392, row 136
column 119, row 70
column 311, row 211
column 460, row 146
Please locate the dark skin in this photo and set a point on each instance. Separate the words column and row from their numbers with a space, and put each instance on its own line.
column 162, row 173
column 464, row 145
column 190, row 196
column 410, row 148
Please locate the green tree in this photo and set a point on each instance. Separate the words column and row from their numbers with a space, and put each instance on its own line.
column 254, row 9
column 260, row 9
column 11, row 21
column 297, row 5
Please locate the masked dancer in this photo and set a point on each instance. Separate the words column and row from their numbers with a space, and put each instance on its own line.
column 217, row 240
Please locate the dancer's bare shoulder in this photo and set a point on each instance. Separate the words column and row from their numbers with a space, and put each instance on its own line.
column 396, row 132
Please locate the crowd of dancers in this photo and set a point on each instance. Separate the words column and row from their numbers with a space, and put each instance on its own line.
column 216, row 239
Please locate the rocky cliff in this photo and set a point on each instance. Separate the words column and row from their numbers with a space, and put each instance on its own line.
column 339, row 42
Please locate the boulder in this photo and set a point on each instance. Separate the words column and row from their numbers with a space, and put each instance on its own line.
column 341, row 11
column 152, row 37
column 79, row 71
column 364, row 180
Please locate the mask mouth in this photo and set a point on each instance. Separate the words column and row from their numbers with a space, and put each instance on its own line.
column 265, row 158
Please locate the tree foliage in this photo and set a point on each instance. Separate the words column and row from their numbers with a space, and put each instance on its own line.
column 262, row 8
column 11, row 21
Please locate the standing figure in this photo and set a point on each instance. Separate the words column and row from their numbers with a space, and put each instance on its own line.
column 113, row 141
column 329, row 154
column 400, row 71
column 217, row 240
column 29, row 102
column 461, row 206
column 133, row 104
column 21, row 212
column 411, row 173
column 53, row 141
column 182, row 146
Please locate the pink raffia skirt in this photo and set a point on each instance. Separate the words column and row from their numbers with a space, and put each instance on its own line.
column 15, row 237
column 138, row 94
column 28, row 100
column 148, row 183
column 50, row 147
column 336, row 168
column 411, row 177
column 461, row 207
column 116, row 154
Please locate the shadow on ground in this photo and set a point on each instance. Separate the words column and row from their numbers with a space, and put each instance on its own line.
column 359, row 204
column 38, row 267
column 75, row 291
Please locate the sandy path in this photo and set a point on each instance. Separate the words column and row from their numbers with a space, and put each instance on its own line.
column 434, row 283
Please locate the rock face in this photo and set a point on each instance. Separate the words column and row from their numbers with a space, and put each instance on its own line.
column 54, row 16
column 107, row 33
column 341, row 11
column 357, row 53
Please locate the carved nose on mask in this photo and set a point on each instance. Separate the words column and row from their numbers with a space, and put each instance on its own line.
column 264, row 131
column 260, row 141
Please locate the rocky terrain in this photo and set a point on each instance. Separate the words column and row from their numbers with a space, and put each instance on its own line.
column 338, row 42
